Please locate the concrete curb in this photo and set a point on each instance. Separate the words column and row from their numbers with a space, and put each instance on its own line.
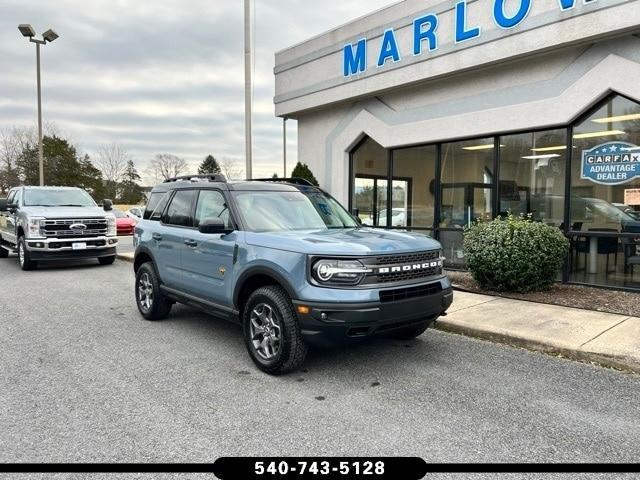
column 126, row 257
column 612, row 361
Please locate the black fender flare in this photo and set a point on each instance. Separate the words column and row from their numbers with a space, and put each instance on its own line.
column 264, row 271
column 146, row 251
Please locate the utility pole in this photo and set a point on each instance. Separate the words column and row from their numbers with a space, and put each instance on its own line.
column 49, row 36
column 284, row 144
column 248, row 90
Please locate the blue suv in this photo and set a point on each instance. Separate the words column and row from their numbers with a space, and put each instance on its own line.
column 288, row 262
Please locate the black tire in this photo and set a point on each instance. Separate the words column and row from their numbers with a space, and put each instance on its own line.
column 288, row 348
column 24, row 257
column 107, row 260
column 411, row 332
column 158, row 306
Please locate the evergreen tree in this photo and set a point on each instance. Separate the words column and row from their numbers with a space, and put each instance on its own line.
column 209, row 166
column 62, row 167
column 303, row 171
column 275, row 175
column 131, row 191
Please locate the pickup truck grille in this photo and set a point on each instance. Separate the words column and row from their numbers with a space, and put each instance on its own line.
column 61, row 228
column 406, row 268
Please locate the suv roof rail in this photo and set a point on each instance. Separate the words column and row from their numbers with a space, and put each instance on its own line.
column 213, row 177
column 295, row 180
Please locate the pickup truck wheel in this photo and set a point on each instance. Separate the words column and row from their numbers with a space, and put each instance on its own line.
column 271, row 331
column 107, row 260
column 152, row 304
column 24, row 257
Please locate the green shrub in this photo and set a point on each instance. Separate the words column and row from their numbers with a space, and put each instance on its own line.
column 515, row 254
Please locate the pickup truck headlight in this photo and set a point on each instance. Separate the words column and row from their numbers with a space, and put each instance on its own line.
column 34, row 227
column 334, row 272
column 111, row 227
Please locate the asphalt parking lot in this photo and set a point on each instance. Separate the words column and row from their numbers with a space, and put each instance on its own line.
column 85, row 379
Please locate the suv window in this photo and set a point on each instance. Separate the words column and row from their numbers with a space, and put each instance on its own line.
column 11, row 197
column 211, row 204
column 161, row 202
column 179, row 212
column 154, row 200
column 17, row 198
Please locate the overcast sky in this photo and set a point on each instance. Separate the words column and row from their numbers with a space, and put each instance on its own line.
column 158, row 76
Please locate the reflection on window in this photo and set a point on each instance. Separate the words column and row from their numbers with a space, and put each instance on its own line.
column 414, row 187
column 605, row 195
column 370, row 169
column 467, row 178
column 532, row 175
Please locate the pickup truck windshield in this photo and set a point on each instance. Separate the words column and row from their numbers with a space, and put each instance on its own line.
column 57, row 198
column 280, row 211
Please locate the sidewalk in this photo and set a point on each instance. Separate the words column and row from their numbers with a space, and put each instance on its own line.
column 604, row 338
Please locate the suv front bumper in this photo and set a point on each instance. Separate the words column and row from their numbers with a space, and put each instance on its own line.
column 329, row 323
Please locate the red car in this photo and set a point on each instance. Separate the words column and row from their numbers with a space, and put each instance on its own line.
column 124, row 224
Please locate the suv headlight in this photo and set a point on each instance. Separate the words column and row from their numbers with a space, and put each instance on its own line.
column 34, row 227
column 334, row 272
column 111, row 226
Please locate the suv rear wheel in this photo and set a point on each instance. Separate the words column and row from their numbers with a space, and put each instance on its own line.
column 152, row 304
column 24, row 257
column 271, row 331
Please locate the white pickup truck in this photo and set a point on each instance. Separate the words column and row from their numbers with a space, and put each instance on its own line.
column 56, row 223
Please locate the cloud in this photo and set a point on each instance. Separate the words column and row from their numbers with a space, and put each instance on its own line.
column 158, row 75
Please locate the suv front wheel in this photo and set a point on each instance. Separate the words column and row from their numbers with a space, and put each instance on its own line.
column 152, row 303
column 271, row 331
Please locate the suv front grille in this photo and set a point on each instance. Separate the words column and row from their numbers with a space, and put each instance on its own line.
column 400, row 268
column 61, row 228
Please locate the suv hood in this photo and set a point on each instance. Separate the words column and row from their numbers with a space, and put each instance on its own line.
column 65, row 212
column 356, row 241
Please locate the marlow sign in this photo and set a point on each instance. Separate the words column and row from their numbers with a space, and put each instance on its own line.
column 425, row 31
column 611, row 163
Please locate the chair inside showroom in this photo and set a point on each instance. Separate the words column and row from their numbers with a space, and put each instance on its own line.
column 579, row 244
column 631, row 251
column 608, row 246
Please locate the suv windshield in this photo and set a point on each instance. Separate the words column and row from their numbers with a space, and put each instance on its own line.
column 57, row 198
column 273, row 211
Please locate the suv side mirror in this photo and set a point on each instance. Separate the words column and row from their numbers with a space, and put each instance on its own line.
column 107, row 205
column 3, row 204
column 212, row 226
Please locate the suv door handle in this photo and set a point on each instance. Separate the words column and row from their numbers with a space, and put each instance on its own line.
column 191, row 243
column 156, row 236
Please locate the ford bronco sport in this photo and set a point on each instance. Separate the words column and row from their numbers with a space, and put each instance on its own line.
column 288, row 262
column 55, row 223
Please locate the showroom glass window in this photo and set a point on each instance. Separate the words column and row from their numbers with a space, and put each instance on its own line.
column 413, row 187
column 467, row 185
column 605, row 195
column 532, row 175
column 370, row 185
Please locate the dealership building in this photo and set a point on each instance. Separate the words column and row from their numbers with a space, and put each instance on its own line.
column 428, row 114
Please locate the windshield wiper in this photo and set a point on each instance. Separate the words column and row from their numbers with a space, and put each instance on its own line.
column 68, row 205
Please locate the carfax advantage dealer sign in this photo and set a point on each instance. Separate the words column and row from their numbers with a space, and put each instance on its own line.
column 612, row 163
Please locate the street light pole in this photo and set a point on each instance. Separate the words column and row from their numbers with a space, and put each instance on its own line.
column 48, row 36
column 248, row 90
column 40, row 147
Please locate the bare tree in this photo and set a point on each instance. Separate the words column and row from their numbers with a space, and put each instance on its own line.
column 165, row 166
column 112, row 161
column 231, row 169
